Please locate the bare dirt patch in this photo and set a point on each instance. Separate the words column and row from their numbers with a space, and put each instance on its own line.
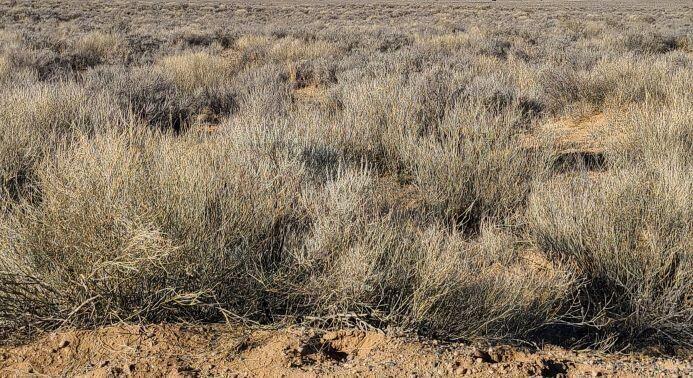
column 577, row 141
column 579, row 134
column 178, row 350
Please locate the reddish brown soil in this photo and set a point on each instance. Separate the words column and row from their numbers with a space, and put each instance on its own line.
column 586, row 134
column 177, row 350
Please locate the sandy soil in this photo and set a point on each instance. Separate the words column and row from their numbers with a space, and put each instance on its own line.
column 178, row 350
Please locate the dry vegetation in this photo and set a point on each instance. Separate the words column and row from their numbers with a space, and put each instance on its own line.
column 349, row 164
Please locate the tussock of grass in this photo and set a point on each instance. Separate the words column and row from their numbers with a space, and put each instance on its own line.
column 195, row 71
column 38, row 118
column 629, row 234
column 475, row 168
column 97, row 48
column 135, row 226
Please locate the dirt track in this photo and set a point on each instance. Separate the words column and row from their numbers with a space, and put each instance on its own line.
column 176, row 350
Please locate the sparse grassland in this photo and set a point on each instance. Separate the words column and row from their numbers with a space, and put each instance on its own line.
column 475, row 171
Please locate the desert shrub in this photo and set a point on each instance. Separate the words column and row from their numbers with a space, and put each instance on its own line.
column 369, row 129
column 616, row 82
column 147, row 94
column 5, row 68
column 146, row 227
column 143, row 227
column 202, row 84
column 650, row 80
column 445, row 42
column 95, row 48
column 193, row 37
column 54, row 58
column 11, row 75
column 431, row 96
column 388, row 41
column 628, row 229
column 643, row 42
column 381, row 108
column 172, row 96
column 47, row 64
column 565, row 86
column 143, row 47
column 254, row 49
column 487, row 287
column 389, row 270
column 194, row 71
column 319, row 72
column 629, row 233
column 650, row 126
column 496, row 47
column 36, row 119
column 497, row 95
column 475, row 168
column 263, row 92
column 453, row 144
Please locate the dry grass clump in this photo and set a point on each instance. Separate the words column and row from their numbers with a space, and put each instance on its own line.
column 292, row 49
column 667, row 125
column 474, row 167
column 629, row 233
column 648, row 42
column 96, row 48
column 136, row 226
column 195, row 36
column 195, row 71
column 620, row 83
column 445, row 42
column 37, row 119
column 367, row 165
column 175, row 94
column 458, row 281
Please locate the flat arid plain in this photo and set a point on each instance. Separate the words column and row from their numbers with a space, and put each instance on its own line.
column 391, row 188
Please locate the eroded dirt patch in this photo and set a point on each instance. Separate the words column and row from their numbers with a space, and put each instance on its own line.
column 178, row 350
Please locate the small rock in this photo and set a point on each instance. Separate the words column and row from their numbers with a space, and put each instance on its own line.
column 461, row 371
